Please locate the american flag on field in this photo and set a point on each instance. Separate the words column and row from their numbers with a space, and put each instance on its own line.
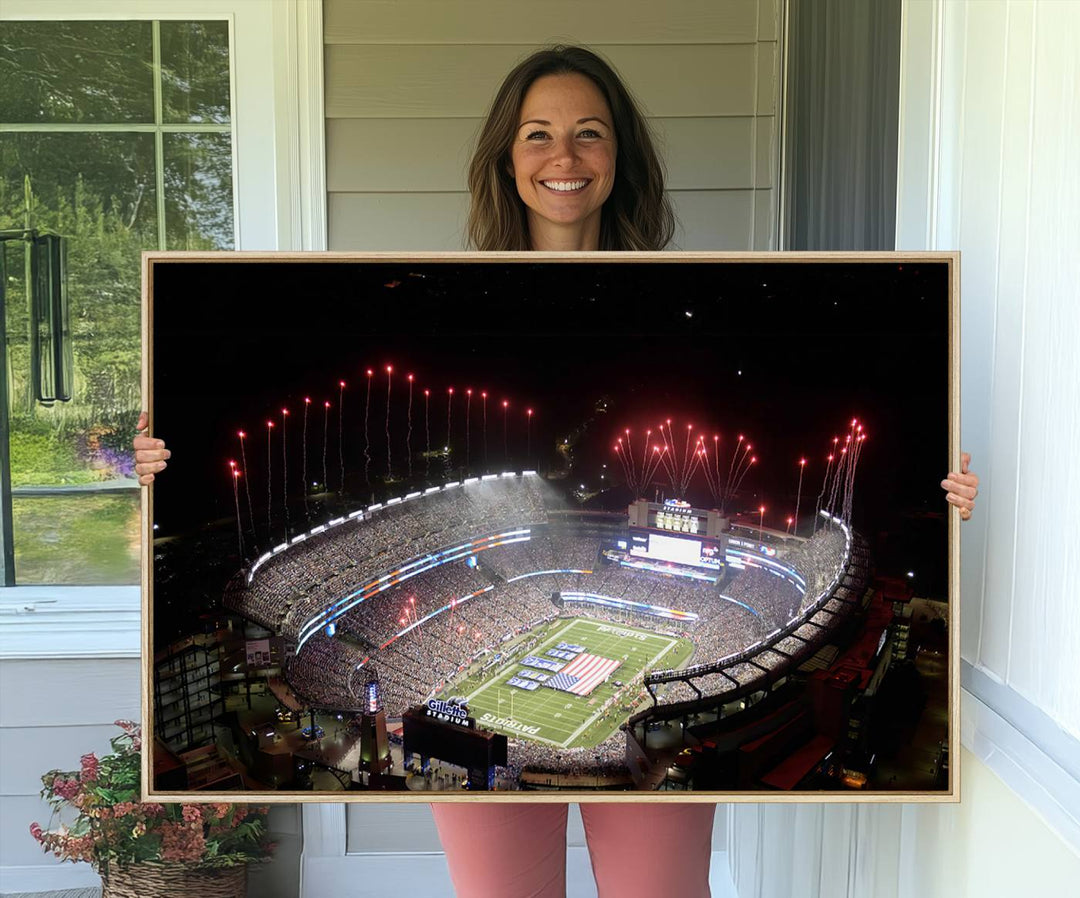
column 582, row 675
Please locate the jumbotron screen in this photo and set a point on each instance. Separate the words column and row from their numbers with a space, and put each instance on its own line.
column 686, row 550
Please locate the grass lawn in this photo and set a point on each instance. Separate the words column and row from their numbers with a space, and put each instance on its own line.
column 77, row 539
column 561, row 718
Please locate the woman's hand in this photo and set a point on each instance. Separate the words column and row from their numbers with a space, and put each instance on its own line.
column 962, row 488
column 150, row 454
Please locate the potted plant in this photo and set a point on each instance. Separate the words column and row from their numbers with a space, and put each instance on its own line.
column 142, row 849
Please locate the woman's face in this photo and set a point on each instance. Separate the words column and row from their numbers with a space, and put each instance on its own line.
column 563, row 156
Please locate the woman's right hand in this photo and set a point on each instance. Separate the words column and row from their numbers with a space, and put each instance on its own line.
column 150, row 453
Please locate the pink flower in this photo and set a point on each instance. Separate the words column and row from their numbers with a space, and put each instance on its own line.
column 36, row 831
column 191, row 813
column 153, row 809
column 79, row 848
column 181, row 842
column 89, row 767
column 65, row 788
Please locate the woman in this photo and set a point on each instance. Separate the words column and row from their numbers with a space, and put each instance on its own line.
column 565, row 163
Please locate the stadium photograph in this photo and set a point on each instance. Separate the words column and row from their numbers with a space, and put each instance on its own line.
column 448, row 526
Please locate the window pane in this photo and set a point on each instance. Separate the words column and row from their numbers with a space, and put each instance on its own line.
column 97, row 190
column 76, row 500
column 76, row 72
column 88, row 183
column 195, row 72
column 79, row 540
column 198, row 191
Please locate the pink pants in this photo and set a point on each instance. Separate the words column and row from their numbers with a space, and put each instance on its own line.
column 519, row 850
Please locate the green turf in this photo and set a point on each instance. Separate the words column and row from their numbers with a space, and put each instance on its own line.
column 77, row 539
column 560, row 718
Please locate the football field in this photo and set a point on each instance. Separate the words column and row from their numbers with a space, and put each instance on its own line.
column 562, row 719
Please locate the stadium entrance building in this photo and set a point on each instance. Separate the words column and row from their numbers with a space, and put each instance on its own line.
column 444, row 730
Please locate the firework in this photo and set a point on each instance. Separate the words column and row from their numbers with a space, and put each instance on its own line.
column 825, row 480
column 367, row 416
column 341, row 431
column 389, row 451
column 236, row 500
column 639, row 470
column 449, row 414
column 468, row 408
column 408, row 428
column 325, row 431
column 506, row 407
column 285, row 470
column 798, row 493
column 247, row 487
column 269, row 484
column 427, row 432
column 528, row 435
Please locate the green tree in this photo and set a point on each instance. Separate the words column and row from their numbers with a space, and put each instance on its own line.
column 99, row 187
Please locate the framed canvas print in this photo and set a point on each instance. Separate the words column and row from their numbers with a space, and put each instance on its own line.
column 606, row 526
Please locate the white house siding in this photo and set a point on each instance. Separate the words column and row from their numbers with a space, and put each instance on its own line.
column 408, row 83
column 52, row 712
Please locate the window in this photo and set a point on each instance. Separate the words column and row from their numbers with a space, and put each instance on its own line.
column 117, row 136
column 276, row 95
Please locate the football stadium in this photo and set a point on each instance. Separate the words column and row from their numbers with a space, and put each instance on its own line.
column 563, row 630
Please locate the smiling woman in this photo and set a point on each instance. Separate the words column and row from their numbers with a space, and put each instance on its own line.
column 563, row 160
column 563, row 117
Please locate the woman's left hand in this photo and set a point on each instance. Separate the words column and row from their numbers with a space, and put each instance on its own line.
column 962, row 487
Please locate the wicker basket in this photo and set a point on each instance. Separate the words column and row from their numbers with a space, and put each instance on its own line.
column 174, row 881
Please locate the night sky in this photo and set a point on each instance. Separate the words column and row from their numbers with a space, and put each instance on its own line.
column 785, row 354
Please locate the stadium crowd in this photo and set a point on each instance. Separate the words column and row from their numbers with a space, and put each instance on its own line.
column 606, row 759
column 780, row 603
column 424, row 632
column 294, row 585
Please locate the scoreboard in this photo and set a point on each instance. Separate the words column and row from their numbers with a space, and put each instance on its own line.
column 674, row 532
column 686, row 550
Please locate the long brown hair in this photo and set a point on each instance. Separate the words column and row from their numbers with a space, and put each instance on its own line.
column 637, row 214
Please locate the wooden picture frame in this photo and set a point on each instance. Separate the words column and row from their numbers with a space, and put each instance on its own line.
column 793, row 655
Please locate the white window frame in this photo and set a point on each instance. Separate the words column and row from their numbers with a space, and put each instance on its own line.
column 279, row 189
